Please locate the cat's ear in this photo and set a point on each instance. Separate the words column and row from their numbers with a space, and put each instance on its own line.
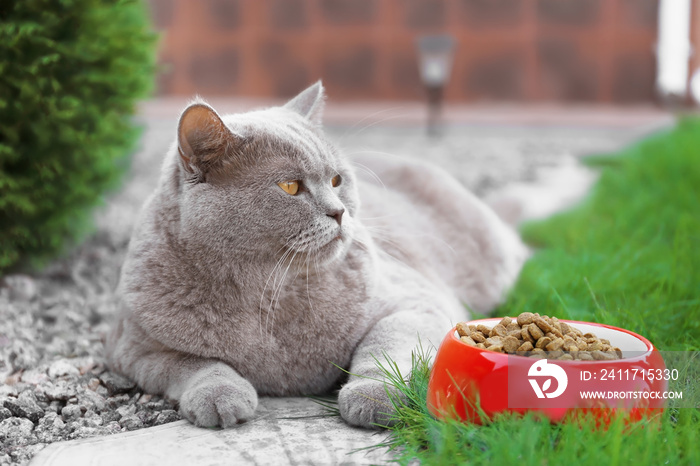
column 309, row 103
column 202, row 138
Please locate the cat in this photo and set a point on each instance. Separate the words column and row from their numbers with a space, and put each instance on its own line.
column 265, row 264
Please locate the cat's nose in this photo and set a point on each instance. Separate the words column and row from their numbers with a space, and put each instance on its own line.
column 337, row 214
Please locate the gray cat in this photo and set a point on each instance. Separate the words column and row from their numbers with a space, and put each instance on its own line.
column 264, row 260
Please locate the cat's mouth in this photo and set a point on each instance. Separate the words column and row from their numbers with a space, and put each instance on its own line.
column 325, row 246
column 338, row 238
column 332, row 248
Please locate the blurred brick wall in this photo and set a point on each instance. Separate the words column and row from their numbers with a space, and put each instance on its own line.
column 507, row 50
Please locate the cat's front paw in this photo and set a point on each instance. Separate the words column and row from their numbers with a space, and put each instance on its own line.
column 218, row 396
column 368, row 403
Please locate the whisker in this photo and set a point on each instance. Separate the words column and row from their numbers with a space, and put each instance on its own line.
column 370, row 172
column 276, row 296
column 274, row 269
column 318, row 272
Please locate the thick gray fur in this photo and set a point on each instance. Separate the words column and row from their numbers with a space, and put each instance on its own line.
column 233, row 288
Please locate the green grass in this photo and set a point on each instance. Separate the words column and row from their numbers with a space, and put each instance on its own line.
column 629, row 256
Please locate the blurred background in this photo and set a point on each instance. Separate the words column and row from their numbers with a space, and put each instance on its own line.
column 78, row 78
column 522, row 51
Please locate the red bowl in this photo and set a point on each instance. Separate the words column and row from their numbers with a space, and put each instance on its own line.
column 465, row 380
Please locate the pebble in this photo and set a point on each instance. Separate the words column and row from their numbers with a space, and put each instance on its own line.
column 126, row 410
column 7, row 390
column 17, row 431
column 91, row 400
column 27, row 397
column 155, row 405
column 50, row 428
column 118, row 400
column 35, row 376
column 61, row 368
column 147, row 417
column 93, row 384
column 102, row 391
column 5, row 413
column 21, row 287
column 112, row 427
column 71, row 412
column 85, row 365
column 55, row 406
column 110, row 416
column 61, row 390
column 24, row 409
column 131, row 422
column 22, row 355
column 166, row 416
column 92, row 419
column 80, row 431
column 116, row 383
column 41, row 398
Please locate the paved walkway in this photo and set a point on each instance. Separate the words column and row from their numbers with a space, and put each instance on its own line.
column 285, row 431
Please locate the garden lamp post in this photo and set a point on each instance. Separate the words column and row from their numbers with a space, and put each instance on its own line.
column 435, row 54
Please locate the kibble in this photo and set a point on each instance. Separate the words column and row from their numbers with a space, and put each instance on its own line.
column 468, row 340
column 535, row 331
column 543, row 342
column 510, row 344
column 536, row 336
column 526, row 346
column 525, row 318
column 463, row 329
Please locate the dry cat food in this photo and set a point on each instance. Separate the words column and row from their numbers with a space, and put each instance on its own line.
column 539, row 337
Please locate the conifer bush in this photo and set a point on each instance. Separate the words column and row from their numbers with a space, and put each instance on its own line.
column 71, row 72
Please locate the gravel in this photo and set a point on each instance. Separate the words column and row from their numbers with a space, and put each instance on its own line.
column 52, row 323
column 51, row 360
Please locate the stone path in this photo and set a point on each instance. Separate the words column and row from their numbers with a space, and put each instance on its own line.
column 285, row 431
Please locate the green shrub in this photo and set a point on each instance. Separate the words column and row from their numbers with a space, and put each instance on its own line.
column 70, row 74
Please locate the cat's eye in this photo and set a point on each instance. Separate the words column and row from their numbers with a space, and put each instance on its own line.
column 335, row 181
column 290, row 187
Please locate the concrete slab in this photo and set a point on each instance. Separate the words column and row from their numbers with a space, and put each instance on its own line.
column 286, row 431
